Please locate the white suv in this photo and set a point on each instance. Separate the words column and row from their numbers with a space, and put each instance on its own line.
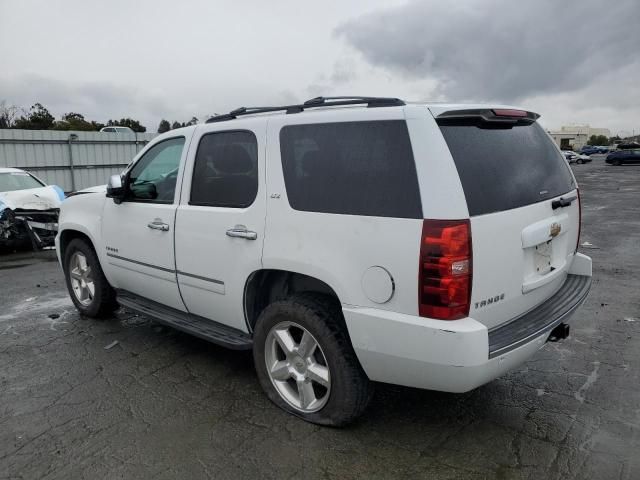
column 344, row 240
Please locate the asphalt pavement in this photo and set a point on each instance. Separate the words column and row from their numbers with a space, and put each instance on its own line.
column 128, row 398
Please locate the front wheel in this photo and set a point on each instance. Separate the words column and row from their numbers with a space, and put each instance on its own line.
column 88, row 288
column 617, row 163
column 305, row 362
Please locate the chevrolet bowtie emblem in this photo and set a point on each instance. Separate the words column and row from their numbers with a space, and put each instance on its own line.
column 554, row 231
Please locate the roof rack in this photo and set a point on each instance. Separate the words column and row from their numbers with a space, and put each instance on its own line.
column 316, row 102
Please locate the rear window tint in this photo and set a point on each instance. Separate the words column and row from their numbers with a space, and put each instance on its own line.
column 226, row 170
column 354, row 168
column 505, row 168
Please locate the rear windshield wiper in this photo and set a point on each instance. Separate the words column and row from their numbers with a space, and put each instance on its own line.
column 562, row 202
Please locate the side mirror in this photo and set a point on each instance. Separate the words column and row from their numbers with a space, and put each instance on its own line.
column 115, row 188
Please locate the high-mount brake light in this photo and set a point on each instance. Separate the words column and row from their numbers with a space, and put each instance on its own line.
column 509, row 112
column 446, row 269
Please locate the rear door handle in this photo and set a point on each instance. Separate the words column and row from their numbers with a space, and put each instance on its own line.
column 158, row 224
column 240, row 231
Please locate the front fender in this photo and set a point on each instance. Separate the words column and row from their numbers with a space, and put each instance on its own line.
column 82, row 213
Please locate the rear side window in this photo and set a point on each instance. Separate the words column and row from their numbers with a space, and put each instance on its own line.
column 354, row 168
column 505, row 168
column 226, row 170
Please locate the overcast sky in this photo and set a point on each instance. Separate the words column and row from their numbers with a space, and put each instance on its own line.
column 571, row 61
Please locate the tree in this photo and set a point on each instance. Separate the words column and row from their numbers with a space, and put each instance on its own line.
column 128, row 122
column 164, row 126
column 598, row 140
column 76, row 121
column 176, row 124
column 8, row 114
column 37, row 118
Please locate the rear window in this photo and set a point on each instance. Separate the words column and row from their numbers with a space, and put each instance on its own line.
column 354, row 168
column 505, row 168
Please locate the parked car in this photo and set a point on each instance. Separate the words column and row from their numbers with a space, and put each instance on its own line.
column 589, row 150
column 594, row 149
column 620, row 157
column 573, row 157
column 116, row 130
column 628, row 146
column 28, row 210
column 432, row 246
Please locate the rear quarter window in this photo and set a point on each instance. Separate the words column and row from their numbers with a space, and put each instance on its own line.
column 505, row 168
column 353, row 168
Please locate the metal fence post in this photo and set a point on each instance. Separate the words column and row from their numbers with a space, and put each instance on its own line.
column 72, row 137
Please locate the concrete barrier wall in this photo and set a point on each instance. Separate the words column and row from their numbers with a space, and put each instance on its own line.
column 72, row 160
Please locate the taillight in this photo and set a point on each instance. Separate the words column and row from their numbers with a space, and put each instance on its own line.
column 579, row 219
column 445, row 271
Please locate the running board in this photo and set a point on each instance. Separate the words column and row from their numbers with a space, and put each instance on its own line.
column 195, row 325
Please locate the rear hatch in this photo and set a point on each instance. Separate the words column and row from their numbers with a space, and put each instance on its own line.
column 523, row 207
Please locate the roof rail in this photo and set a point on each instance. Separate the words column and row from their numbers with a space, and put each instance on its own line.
column 316, row 102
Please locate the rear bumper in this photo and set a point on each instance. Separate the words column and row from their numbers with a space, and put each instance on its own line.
column 457, row 356
column 541, row 319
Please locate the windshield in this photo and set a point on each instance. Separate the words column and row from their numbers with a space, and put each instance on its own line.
column 12, row 181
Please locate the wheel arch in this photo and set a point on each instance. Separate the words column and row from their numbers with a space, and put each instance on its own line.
column 265, row 286
column 69, row 234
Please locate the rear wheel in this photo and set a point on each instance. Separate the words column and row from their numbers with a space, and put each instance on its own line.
column 305, row 362
column 88, row 288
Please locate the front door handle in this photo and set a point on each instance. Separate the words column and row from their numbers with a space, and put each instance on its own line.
column 158, row 224
column 240, row 231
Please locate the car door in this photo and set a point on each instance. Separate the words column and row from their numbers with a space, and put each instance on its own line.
column 220, row 219
column 138, row 232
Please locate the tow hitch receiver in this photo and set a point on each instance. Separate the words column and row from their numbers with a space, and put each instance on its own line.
column 559, row 333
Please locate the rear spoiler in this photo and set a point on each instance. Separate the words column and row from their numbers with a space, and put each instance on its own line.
column 488, row 117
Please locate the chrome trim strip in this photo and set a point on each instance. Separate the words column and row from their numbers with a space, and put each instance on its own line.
column 168, row 270
column 212, row 280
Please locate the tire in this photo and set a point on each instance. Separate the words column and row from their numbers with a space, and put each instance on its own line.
column 579, row 161
column 348, row 390
column 101, row 300
column 617, row 163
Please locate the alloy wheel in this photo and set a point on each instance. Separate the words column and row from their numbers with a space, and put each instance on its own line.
column 82, row 282
column 297, row 367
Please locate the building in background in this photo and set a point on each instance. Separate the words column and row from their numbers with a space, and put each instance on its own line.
column 576, row 136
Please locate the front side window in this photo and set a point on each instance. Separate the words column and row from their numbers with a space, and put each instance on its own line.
column 153, row 178
column 225, row 173
column 353, row 168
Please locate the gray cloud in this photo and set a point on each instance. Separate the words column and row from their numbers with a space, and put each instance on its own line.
column 501, row 49
column 97, row 101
